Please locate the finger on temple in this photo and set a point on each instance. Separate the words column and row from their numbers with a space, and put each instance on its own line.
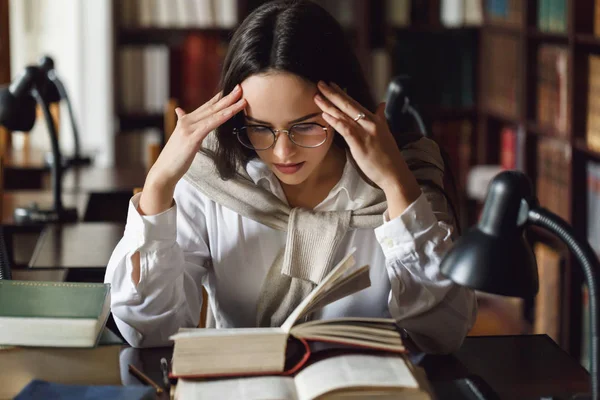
column 217, row 119
column 218, row 105
column 340, row 101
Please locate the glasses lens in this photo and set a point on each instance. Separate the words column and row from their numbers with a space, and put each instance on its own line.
column 308, row 135
column 256, row 137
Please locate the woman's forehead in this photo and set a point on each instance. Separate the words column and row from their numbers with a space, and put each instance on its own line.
column 278, row 97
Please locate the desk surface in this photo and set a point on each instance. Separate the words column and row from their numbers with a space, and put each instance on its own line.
column 82, row 245
column 516, row 367
column 44, row 199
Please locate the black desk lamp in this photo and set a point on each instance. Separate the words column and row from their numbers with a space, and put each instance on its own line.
column 494, row 256
column 398, row 108
column 55, row 92
column 17, row 112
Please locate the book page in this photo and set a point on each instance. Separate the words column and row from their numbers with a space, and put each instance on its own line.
column 264, row 387
column 355, row 372
column 335, row 274
column 351, row 283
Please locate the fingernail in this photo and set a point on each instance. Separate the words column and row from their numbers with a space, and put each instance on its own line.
column 236, row 88
column 318, row 97
column 322, row 84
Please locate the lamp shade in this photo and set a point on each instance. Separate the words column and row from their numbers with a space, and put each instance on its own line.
column 494, row 256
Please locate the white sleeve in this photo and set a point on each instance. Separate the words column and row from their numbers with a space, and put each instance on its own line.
column 436, row 313
column 173, row 258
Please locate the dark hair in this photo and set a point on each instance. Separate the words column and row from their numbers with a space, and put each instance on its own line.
column 295, row 36
column 302, row 38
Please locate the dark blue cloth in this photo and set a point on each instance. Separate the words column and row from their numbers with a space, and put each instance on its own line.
column 37, row 389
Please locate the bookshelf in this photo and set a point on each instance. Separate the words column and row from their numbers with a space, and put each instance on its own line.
column 547, row 113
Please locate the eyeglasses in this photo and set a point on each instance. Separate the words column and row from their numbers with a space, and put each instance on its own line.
column 260, row 137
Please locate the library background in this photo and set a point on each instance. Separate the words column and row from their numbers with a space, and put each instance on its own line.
column 500, row 84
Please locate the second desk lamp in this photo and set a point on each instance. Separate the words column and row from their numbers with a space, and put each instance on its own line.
column 18, row 113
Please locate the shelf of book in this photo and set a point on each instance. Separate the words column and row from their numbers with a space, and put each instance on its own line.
column 550, row 87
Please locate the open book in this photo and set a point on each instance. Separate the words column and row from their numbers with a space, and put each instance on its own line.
column 352, row 376
column 248, row 351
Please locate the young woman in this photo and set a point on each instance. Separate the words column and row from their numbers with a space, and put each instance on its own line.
column 301, row 167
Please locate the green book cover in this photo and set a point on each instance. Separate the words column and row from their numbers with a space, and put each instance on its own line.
column 31, row 299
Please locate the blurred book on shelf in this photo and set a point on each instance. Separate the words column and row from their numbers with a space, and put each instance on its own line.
column 504, row 12
column 552, row 15
column 552, row 89
column 547, row 300
column 553, row 176
column 178, row 13
column 593, row 110
column 502, row 84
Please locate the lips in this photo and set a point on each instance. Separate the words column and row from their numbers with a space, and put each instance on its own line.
column 289, row 168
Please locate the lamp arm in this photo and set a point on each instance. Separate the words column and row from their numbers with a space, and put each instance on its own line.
column 57, row 165
column 411, row 110
column 63, row 94
column 589, row 262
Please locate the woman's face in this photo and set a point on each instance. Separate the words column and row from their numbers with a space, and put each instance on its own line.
column 281, row 100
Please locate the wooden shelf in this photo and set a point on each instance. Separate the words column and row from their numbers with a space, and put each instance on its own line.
column 493, row 27
column 588, row 40
column 500, row 116
column 581, row 145
column 549, row 37
column 165, row 36
column 137, row 121
column 546, row 132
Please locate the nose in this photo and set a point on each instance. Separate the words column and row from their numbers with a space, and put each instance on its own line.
column 284, row 148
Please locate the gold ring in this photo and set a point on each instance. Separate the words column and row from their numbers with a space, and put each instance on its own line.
column 359, row 116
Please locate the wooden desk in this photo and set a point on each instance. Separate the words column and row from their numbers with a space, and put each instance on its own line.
column 516, row 367
column 24, row 198
column 82, row 245
column 21, row 239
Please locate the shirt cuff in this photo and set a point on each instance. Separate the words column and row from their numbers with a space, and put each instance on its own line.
column 151, row 232
column 401, row 233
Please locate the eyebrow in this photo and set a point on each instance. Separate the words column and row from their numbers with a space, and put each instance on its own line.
column 309, row 116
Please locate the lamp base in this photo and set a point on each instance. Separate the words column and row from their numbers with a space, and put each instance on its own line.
column 78, row 161
column 49, row 160
column 33, row 215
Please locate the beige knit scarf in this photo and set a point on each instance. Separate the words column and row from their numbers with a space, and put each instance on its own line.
column 312, row 237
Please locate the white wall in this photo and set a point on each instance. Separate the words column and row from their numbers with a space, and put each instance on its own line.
column 77, row 34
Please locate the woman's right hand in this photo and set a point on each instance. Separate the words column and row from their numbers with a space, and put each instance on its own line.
column 179, row 151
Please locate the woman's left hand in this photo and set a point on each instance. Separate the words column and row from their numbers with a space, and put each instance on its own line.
column 371, row 143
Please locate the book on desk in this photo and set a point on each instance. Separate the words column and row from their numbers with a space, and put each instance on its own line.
column 254, row 359
column 54, row 314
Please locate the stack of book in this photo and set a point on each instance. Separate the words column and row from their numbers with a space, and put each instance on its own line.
column 56, row 332
column 236, row 363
